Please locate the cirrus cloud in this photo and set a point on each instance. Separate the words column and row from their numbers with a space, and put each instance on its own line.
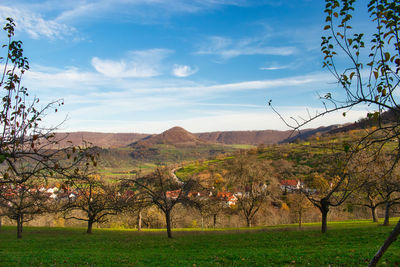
column 137, row 64
column 35, row 25
column 227, row 48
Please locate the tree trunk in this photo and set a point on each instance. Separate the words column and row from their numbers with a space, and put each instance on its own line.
column 139, row 221
column 215, row 220
column 90, row 226
column 392, row 237
column 168, row 221
column 248, row 220
column 373, row 212
column 300, row 213
column 324, row 212
column 0, row 222
column 19, row 226
column 387, row 214
column 22, row 223
column 324, row 226
column 202, row 222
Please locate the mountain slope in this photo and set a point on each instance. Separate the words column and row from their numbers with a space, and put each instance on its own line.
column 176, row 136
column 245, row 137
column 104, row 140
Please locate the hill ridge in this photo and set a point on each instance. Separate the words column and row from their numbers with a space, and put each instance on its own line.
column 172, row 135
column 176, row 136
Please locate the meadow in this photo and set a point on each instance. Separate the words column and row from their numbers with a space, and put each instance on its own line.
column 349, row 243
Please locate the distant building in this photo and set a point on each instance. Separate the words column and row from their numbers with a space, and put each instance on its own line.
column 229, row 197
column 173, row 194
column 291, row 185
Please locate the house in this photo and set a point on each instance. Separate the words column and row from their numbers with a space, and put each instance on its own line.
column 173, row 194
column 291, row 185
column 229, row 197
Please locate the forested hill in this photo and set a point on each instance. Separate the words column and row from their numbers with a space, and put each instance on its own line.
column 107, row 140
column 179, row 135
column 176, row 136
column 245, row 137
column 104, row 140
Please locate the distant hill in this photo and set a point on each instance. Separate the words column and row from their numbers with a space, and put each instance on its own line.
column 176, row 136
column 306, row 133
column 385, row 118
column 175, row 145
column 245, row 137
column 104, row 140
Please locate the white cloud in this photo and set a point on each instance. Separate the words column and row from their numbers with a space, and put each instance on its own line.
column 75, row 80
column 143, row 9
column 227, row 48
column 138, row 64
column 183, row 71
column 272, row 83
column 276, row 67
column 34, row 24
column 94, row 101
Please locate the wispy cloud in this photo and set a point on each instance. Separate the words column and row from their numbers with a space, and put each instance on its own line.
column 273, row 68
column 228, row 48
column 183, row 71
column 76, row 79
column 34, row 24
column 95, row 101
column 277, row 67
column 54, row 19
column 138, row 64
column 141, row 10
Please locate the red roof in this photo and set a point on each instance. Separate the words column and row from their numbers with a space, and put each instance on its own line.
column 289, row 182
column 173, row 194
column 226, row 195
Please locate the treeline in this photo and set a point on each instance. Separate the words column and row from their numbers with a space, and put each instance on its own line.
column 289, row 183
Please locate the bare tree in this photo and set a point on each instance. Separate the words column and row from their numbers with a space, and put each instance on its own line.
column 298, row 204
column 253, row 182
column 381, row 184
column 94, row 198
column 22, row 202
column 212, row 201
column 26, row 149
column 164, row 191
column 386, row 183
column 367, row 196
column 329, row 182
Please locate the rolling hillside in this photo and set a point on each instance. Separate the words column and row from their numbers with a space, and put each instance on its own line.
column 104, row 140
column 245, row 137
column 180, row 137
column 175, row 136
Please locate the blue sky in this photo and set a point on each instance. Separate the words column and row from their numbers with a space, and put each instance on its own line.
column 148, row 65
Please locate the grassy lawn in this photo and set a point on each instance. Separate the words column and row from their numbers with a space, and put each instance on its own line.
column 346, row 244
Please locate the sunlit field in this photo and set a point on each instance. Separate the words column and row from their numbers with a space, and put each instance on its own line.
column 350, row 243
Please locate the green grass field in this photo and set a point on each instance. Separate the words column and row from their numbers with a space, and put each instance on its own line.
column 346, row 244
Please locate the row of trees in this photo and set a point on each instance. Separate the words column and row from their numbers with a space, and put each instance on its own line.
column 243, row 184
column 84, row 195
